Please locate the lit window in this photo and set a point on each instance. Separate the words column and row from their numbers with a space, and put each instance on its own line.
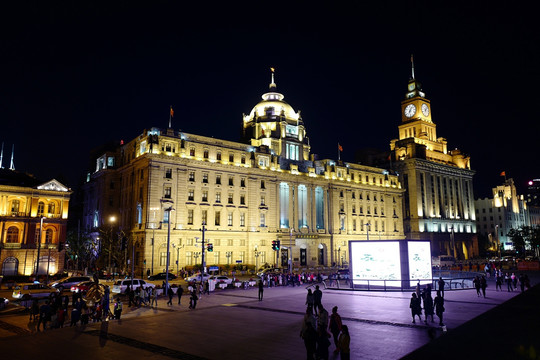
column 205, row 196
column 205, row 178
column 242, row 219
column 192, row 176
column 217, row 218
column 191, row 195
column 190, row 217
column 230, row 218
column 218, row 179
column 263, row 220
column 192, row 152
column 218, row 197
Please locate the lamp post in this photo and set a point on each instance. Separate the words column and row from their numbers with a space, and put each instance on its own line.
column 203, row 262
column 497, row 239
column 168, row 210
column 228, row 254
column 368, row 225
column 290, row 250
column 257, row 254
column 39, row 244
column 339, row 256
column 112, row 219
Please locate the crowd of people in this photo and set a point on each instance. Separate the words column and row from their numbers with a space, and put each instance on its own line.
column 422, row 299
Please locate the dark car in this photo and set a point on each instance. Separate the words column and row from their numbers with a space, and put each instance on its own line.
column 161, row 276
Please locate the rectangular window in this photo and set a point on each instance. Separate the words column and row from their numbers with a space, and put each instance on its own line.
column 231, row 181
column 205, row 178
column 192, row 152
column 230, row 198
column 242, row 182
column 218, row 156
column 230, row 218
column 218, row 179
column 204, row 196
column 263, row 200
column 243, row 160
column 191, row 195
column 218, row 197
column 205, row 154
column 163, row 258
column 243, row 219
column 263, row 219
column 168, row 173
column 167, row 192
column 217, row 218
column 231, row 158
column 204, row 216
column 191, row 176
column 242, row 199
column 263, row 185
column 190, row 216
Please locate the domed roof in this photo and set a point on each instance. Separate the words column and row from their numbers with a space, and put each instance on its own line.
column 273, row 101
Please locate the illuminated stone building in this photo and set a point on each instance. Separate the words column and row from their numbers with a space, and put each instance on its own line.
column 24, row 204
column 247, row 194
column 439, row 202
column 505, row 211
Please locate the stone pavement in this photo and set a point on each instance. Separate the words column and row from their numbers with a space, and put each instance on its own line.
column 233, row 324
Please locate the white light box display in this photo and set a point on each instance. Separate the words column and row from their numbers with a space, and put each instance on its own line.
column 375, row 260
column 419, row 262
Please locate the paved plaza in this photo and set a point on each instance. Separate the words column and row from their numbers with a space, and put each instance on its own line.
column 233, row 324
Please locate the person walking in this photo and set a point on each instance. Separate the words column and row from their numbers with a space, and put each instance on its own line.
column 441, row 285
column 508, row 280
column 514, row 280
column 483, row 285
column 522, row 282
column 261, row 290
column 476, row 283
column 344, row 343
column 44, row 315
column 170, row 293
column 317, row 299
column 416, row 307
column 322, row 319
column 428, row 306
column 309, row 335
column 498, row 282
column 309, row 301
column 153, row 297
column 117, row 308
column 193, row 300
column 179, row 292
column 34, row 310
column 438, row 302
column 335, row 326
column 322, row 343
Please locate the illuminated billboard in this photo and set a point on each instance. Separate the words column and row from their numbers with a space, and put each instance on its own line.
column 374, row 261
column 419, row 262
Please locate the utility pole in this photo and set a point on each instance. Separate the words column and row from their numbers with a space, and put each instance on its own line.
column 203, row 261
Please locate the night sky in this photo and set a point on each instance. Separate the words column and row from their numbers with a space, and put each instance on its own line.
column 76, row 75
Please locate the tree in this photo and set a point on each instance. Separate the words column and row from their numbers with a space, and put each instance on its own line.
column 80, row 248
column 518, row 238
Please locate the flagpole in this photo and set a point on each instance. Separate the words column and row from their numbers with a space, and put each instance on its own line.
column 170, row 117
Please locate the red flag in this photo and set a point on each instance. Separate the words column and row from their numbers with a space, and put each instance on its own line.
column 503, row 173
column 340, row 148
column 172, row 112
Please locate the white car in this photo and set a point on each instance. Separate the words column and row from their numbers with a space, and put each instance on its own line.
column 121, row 286
column 197, row 277
column 222, row 279
column 32, row 290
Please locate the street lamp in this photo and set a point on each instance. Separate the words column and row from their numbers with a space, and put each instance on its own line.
column 112, row 219
column 290, row 249
column 168, row 210
column 228, row 254
column 257, row 254
column 498, row 243
column 178, row 247
column 368, row 225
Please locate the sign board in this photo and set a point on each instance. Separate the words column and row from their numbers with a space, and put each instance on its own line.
column 213, row 268
column 238, row 261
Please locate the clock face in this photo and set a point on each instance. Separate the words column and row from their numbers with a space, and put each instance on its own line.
column 411, row 87
column 410, row 110
column 425, row 109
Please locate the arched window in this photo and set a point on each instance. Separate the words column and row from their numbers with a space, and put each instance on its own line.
column 48, row 236
column 40, row 208
column 12, row 234
column 10, row 266
column 52, row 208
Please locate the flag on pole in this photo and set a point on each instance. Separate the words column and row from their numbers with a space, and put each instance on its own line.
column 172, row 112
column 503, row 174
column 340, row 148
column 272, row 69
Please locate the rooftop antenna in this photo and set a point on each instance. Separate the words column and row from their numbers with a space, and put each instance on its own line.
column 2, row 157
column 12, row 165
column 171, row 115
column 272, row 84
column 412, row 65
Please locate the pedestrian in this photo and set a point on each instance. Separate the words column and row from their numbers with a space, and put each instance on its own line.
column 508, row 280
column 428, row 306
column 477, row 285
column 193, row 300
column 75, row 316
column 309, row 335
column 335, row 326
column 309, row 301
column 34, row 310
column 261, row 290
column 170, row 293
column 483, row 285
column 438, row 302
column 498, row 282
column 61, row 317
column 322, row 319
column 131, row 296
column 416, row 307
column 85, row 313
column 317, row 298
column 179, row 292
column 153, row 297
column 514, row 280
column 322, row 343
column 344, row 343
column 44, row 315
column 207, row 287
column 441, row 285
column 117, row 308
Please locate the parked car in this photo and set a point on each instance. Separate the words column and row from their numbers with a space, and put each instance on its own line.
column 82, row 287
column 67, row 283
column 120, row 286
column 222, row 279
column 33, row 290
column 269, row 271
column 162, row 276
column 198, row 277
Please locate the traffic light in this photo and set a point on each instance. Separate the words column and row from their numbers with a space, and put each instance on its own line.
column 210, row 247
column 278, row 244
column 273, row 245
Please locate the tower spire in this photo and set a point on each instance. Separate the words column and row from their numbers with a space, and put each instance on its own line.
column 412, row 66
column 12, row 165
column 272, row 84
column 2, row 156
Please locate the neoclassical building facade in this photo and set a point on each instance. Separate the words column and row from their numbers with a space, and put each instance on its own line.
column 33, row 220
column 245, row 195
column 439, row 201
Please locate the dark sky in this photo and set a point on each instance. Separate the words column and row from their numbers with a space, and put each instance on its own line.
column 78, row 74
